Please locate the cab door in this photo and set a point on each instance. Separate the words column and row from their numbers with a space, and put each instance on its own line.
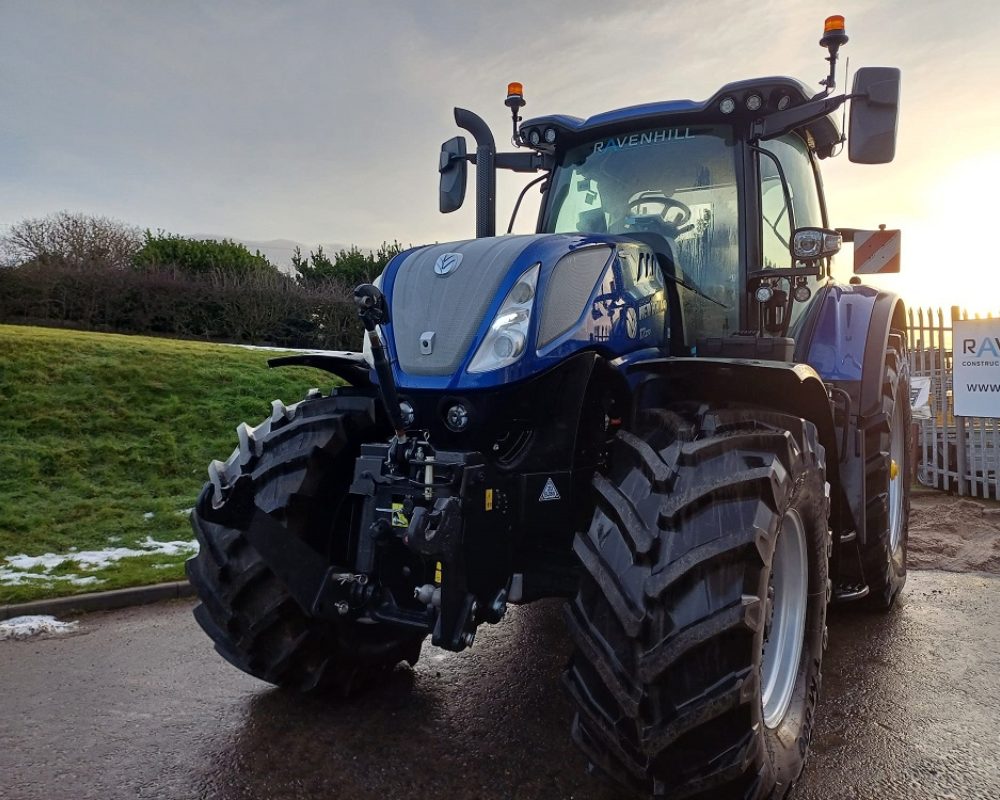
column 777, row 219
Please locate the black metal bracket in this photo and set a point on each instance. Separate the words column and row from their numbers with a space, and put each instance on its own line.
column 437, row 533
column 319, row 589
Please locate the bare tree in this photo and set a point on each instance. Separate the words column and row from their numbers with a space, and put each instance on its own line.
column 79, row 241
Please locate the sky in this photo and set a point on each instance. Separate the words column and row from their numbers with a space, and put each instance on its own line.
column 322, row 121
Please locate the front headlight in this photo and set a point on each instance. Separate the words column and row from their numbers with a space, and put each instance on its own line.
column 507, row 337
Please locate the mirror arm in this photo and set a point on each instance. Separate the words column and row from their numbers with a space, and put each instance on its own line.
column 782, row 122
column 523, row 162
column 445, row 163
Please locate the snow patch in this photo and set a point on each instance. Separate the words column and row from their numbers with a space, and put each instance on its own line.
column 9, row 577
column 26, row 627
column 23, row 568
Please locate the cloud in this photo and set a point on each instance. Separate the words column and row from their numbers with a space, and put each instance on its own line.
column 319, row 121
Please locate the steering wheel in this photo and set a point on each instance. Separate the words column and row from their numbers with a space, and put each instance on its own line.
column 660, row 221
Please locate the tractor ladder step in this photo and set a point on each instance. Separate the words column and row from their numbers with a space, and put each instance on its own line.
column 849, row 593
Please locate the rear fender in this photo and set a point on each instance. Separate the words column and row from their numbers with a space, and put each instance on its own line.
column 844, row 341
column 789, row 388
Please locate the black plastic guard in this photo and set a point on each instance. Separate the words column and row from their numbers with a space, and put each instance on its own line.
column 352, row 367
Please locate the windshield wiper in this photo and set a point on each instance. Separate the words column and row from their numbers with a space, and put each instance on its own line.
column 694, row 288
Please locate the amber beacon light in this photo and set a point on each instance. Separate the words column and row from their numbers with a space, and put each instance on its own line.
column 515, row 102
column 515, row 95
column 834, row 32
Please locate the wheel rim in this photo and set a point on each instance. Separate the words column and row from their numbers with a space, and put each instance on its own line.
column 897, row 445
column 784, row 634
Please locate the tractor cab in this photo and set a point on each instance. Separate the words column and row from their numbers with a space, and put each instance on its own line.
column 717, row 189
column 690, row 181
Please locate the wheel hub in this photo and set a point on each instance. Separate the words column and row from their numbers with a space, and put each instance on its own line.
column 784, row 633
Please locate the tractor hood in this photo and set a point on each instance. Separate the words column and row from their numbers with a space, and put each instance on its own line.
column 445, row 302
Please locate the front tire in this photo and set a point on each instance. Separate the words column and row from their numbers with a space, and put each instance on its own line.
column 299, row 462
column 692, row 572
column 888, row 475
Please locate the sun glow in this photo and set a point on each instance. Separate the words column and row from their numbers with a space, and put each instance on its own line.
column 948, row 257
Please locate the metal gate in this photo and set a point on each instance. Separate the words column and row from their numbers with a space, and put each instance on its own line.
column 960, row 454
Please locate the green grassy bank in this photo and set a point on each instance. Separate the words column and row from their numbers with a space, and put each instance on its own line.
column 104, row 443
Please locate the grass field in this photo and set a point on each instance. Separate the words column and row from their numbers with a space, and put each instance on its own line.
column 104, row 443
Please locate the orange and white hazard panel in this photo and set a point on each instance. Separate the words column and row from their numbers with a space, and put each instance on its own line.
column 876, row 251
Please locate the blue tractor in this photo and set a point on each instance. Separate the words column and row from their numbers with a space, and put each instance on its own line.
column 660, row 406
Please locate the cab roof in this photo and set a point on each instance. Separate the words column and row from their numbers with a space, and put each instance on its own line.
column 774, row 93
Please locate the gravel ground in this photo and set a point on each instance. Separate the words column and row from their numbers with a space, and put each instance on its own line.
column 957, row 534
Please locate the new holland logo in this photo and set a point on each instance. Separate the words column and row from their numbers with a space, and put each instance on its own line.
column 447, row 263
column 631, row 323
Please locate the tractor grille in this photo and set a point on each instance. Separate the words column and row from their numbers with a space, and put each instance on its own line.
column 451, row 306
column 568, row 290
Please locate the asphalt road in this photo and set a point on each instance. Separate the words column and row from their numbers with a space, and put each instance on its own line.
column 138, row 705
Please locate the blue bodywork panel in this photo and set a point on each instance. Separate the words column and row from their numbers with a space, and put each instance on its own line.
column 837, row 348
column 624, row 318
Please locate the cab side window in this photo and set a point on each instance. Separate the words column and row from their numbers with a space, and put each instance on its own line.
column 776, row 221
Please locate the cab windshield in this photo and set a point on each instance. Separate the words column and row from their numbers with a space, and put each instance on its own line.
column 674, row 186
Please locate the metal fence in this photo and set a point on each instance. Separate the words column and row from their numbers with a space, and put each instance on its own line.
column 960, row 454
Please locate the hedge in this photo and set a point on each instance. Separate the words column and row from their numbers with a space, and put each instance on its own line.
column 256, row 308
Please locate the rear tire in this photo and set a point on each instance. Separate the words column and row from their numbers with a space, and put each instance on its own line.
column 668, row 675
column 888, row 475
column 300, row 462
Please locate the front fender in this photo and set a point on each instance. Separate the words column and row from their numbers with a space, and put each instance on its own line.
column 352, row 367
column 789, row 388
column 845, row 340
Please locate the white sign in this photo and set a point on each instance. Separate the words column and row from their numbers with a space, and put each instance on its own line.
column 920, row 397
column 976, row 354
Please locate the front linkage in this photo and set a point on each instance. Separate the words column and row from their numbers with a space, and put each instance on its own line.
column 429, row 501
column 411, row 565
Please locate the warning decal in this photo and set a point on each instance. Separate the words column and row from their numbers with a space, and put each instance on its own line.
column 399, row 519
column 876, row 251
column 549, row 492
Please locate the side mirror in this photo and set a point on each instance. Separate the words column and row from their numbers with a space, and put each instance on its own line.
column 454, row 169
column 874, row 114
